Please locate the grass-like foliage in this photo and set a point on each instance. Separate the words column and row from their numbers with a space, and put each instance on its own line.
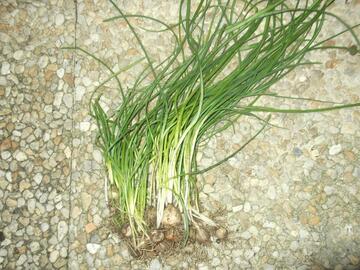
column 151, row 141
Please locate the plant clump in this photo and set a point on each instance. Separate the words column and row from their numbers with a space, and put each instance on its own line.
column 226, row 56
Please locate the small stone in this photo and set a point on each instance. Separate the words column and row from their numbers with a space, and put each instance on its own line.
column 67, row 152
column 348, row 128
column 237, row 208
column 253, row 230
column 268, row 267
column 38, row 178
column 90, row 227
column 69, row 79
column 248, row 254
column 68, row 100
column 208, row 189
column 97, row 156
column 63, row 252
column 22, row 259
column 11, row 203
column 60, row 73
column 57, row 99
column 48, row 98
column 20, row 202
column 297, row 152
column 5, row 155
column 215, row 261
column 294, row 245
column 59, row 19
column 44, row 227
column 303, row 234
column 271, row 193
column 86, row 200
column 34, row 246
column 314, row 220
column 335, row 149
column 31, row 205
column 246, row 235
column 62, row 230
column 109, row 251
column 84, row 126
column 76, row 211
column 43, row 61
column 97, row 220
column 79, row 92
column 54, row 255
column 247, row 207
column 24, row 185
column 18, row 55
column 338, row 267
column 19, row 69
column 5, row 68
column 92, row 248
column 20, row 156
column 329, row 190
column 155, row 264
column 3, row 81
column 354, row 260
column 86, row 81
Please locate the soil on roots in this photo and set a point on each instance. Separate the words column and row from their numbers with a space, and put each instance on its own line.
column 167, row 240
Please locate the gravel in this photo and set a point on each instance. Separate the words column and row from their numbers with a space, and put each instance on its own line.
column 289, row 200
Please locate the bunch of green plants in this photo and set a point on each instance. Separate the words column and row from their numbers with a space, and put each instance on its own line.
column 150, row 142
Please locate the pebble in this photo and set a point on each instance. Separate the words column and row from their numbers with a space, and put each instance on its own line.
column 43, row 61
column 247, row 207
column 38, row 178
column 92, row 248
column 86, row 200
column 294, row 245
column 22, row 259
column 335, row 149
column 208, row 189
column 297, row 152
column 18, row 55
column 5, row 68
column 90, row 227
column 57, row 99
column 84, row 126
column 62, row 230
column 268, row 267
column 5, row 155
column 271, row 193
column 246, row 235
column 31, row 205
column 97, row 156
column 237, row 208
column 60, row 73
column 68, row 100
column 54, row 255
column 20, row 156
column 44, row 227
column 253, row 230
column 155, row 264
column 76, row 211
column 79, row 92
column 63, row 252
column 86, row 81
column 248, row 254
column 3, row 82
column 329, row 190
column 59, row 19
column 11, row 203
column 34, row 247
